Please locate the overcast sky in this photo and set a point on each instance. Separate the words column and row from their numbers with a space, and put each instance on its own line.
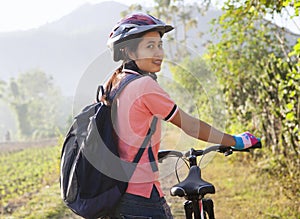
column 27, row 14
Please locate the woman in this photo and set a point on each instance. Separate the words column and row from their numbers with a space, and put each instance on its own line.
column 137, row 40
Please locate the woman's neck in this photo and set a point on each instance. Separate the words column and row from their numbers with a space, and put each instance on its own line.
column 131, row 65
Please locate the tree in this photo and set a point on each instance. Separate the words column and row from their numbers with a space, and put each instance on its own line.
column 182, row 15
column 2, row 84
column 195, row 77
column 258, row 68
column 35, row 100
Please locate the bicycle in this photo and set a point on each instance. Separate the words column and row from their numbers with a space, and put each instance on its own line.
column 193, row 188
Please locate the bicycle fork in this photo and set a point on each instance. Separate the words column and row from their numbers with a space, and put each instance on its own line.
column 198, row 207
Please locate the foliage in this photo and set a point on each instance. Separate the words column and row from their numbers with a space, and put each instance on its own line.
column 25, row 172
column 196, row 78
column 2, row 84
column 259, row 72
column 36, row 102
column 46, row 203
column 257, row 65
column 42, row 199
column 29, row 186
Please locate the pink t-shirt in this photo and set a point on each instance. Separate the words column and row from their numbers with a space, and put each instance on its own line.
column 140, row 100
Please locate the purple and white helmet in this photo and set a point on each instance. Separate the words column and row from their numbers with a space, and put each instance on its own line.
column 131, row 27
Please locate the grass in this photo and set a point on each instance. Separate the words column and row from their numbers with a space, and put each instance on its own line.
column 24, row 172
column 38, row 170
column 241, row 192
column 242, row 189
column 45, row 204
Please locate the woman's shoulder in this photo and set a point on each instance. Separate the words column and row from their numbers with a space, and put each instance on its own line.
column 147, row 82
column 145, row 79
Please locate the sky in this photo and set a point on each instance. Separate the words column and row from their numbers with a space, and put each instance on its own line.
column 28, row 14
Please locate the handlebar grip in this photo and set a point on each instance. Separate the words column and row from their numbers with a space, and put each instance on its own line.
column 256, row 146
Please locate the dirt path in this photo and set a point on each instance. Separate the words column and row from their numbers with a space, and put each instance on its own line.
column 240, row 192
column 16, row 145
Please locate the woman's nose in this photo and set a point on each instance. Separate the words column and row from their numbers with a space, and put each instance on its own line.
column 159, row 52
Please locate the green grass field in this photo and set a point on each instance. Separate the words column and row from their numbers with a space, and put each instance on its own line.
column 29, row 188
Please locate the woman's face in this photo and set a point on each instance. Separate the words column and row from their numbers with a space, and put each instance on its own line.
column 149, row 54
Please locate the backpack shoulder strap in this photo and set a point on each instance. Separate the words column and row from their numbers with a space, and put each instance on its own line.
column 115, row 92
column 151, row 131
column 124, row 82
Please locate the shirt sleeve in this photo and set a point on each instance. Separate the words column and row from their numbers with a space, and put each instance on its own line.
column 157, row 101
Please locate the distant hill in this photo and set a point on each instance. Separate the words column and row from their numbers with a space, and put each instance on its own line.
column 73, row 50
column 67, row 47
column 63, row 48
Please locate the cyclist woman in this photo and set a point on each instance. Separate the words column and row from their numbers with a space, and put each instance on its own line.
column 137, row 41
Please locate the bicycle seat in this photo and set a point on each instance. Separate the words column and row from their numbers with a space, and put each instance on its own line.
column 193, row 185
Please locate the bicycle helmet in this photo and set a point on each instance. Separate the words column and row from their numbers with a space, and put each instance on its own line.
column 132, row 27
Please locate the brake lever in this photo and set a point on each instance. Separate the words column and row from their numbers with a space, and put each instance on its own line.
column 227, row 153
column 163, row 154
column 229, row 150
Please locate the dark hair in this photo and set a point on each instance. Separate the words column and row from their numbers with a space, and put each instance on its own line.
column 125, row 47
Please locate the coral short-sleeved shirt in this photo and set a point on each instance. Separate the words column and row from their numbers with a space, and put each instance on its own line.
column 140, row 100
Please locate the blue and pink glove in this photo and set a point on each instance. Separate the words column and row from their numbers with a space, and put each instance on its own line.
column 245, row 140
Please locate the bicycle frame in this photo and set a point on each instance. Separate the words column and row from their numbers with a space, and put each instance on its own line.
column 197, row 206
column 205, row 206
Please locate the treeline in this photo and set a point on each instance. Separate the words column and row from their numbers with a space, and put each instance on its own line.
column 39, row 108
column 258, row 66
column 248, row 78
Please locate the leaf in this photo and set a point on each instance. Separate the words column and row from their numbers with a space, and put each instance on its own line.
column 290, row 116
column 290, row 106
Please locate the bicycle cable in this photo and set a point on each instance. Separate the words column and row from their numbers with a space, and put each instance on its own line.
column 176, row 165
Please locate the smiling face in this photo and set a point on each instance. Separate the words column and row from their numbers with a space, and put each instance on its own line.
column 149, row 54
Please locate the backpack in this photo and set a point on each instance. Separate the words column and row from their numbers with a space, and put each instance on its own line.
column 92, row 176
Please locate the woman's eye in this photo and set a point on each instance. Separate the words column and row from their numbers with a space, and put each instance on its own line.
column 151, row 46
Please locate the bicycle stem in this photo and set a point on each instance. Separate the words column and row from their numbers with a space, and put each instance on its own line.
column 193, row 160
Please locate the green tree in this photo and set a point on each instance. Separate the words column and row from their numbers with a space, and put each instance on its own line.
column 258, row 69
column 195, row 77
column 35, row 100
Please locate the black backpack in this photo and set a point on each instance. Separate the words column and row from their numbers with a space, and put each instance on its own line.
column 92, row 176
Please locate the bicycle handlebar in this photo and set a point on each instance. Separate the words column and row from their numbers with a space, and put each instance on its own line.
column 162, row 154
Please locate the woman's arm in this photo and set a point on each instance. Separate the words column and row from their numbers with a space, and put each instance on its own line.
column 201, row 130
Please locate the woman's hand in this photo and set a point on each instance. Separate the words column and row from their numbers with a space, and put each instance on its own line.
column 245, row 140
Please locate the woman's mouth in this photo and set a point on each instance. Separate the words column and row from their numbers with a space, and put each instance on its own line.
column 157, row 62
